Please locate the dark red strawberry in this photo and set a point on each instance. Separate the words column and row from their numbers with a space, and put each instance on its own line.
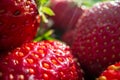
column 46, row 60
column 68, row 37
column 66, row 12
column 97, row 41
column 18, row 22
column 111, row 73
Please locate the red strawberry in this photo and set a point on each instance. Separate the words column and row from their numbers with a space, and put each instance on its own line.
column 66, row 12
column 18, row 22
column 46, row 60
column 97, row 41
column 111, row 73
column 68, row 37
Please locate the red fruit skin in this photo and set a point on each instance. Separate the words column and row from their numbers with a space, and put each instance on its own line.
column 98, row 37
column 18, row 22
column 46, row 60
column 111, row 73
column 68, row 37
column 66, row 14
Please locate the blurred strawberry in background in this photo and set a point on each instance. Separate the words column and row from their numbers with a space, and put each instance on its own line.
column 66, row 12
column 97, row 39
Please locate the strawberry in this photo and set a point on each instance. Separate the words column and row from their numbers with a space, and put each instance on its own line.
column 111, row 73
column 66, row 12
column 97, row 41
column 45, row 60
column 68, row 37
column 18, row 22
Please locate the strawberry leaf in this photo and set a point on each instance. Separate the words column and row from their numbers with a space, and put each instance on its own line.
column 44, row 18
column 43, row 2
column 48, row 11
column 44, row 9
column 46, row 36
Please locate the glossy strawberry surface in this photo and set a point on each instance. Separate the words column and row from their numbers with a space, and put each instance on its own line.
column 111, row 73
column 46, row 60
column 18, row 22
column 97, row 41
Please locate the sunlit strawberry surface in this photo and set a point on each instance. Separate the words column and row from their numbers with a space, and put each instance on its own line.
column 18, row 22
column 46, row 60
column 59, row 39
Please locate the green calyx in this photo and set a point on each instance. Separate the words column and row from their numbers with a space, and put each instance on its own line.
column 44, row 9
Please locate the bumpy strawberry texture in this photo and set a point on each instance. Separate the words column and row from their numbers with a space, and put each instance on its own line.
column 18, row 22
column 97, row 41
column 111, row 73
column 45, row 60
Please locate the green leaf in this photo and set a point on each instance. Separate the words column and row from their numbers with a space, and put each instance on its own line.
column 46, row 36
column 38, row 39
column 44, row 9
column 48, row 33
column 44, row 18
column 48, row 11
column 43, row 2
column 49, row 38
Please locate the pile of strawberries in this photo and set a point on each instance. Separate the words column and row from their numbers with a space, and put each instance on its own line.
column 88, row 48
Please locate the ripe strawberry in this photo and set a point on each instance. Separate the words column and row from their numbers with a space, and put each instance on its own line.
column 18, row 22
column 68, row 37
column 66, row 12
column 46, row 60
column 97, row 41
column 111, row 73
